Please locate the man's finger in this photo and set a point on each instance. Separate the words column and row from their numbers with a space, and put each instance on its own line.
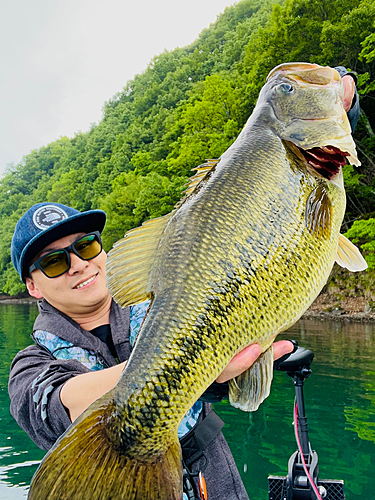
column 240, row 362
column 253, row 351
column 244, row 359
column 349, row 87
column 281, row 348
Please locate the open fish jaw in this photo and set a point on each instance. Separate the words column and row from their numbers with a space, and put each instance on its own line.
column 347, row 147
column 330, row 148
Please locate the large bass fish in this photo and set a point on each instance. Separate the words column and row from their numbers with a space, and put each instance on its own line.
column 243, row 255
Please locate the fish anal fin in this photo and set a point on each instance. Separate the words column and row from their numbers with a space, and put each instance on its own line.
column 203, row 172
column 318, row 212
column 349, row 256
column 252, row 387
column 129, row 263
column 84, row 465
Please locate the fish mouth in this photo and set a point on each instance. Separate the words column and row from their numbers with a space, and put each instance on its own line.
column 326, row 160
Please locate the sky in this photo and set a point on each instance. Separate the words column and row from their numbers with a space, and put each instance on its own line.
column 60, row 60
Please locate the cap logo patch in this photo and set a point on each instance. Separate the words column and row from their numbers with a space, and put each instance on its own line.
column 47, row 216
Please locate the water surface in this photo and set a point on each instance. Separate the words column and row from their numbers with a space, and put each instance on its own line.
column 339, row 399
column 340, row 407
column 18, row 454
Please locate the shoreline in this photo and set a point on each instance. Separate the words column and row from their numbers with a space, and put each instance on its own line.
column 324, row 308
column 18, row 300
column 353, row 317
column 349, row 308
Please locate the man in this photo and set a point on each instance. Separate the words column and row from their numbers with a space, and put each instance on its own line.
column 82, row 338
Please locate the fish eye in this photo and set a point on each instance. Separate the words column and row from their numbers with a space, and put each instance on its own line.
column 285, row 88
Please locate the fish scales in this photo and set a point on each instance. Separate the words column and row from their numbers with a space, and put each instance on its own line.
column 239, row 260
column 223, row 314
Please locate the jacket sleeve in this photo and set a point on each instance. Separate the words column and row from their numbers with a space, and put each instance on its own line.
column 35, row 381
column 215, row 392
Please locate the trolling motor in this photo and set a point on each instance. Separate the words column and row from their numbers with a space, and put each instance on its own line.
column 302, row 481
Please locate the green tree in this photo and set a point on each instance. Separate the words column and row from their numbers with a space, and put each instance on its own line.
column 210, row 121
column 189, row 105
column 362, row 233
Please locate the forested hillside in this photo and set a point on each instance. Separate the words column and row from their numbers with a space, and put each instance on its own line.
column 190, row 104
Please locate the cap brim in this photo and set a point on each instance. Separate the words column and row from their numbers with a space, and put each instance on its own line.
column 84, row 222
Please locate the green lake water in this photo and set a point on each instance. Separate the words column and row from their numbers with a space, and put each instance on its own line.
column 339, row 399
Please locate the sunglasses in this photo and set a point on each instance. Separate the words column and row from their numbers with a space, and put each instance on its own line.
column 56, row 263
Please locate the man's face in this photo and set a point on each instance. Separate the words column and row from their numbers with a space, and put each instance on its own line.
column 81, row 290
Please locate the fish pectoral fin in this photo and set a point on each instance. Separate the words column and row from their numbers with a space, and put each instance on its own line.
column 129, row 263
column 349, row 256
column 252, row 387
column 203, row 172
column 318, row 212
column 84, row 465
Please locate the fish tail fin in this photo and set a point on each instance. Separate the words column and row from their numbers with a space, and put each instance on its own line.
column 252, row 387
column 84, row 465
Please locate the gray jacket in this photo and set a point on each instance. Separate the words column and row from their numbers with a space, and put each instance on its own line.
column 37, row 377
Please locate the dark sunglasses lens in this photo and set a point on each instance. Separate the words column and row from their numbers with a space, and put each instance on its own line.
column 55, row 263
column 88, row 246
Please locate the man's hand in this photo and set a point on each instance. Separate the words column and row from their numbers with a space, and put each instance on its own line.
column 244, row 359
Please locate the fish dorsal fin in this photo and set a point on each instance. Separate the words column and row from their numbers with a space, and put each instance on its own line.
column 318, row 212
column 203, row 172
column 349, row 256
column 130, row 261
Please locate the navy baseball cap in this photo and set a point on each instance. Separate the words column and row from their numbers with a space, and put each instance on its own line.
column 45, row 223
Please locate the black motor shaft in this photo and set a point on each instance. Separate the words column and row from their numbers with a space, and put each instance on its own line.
column 296, row 485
